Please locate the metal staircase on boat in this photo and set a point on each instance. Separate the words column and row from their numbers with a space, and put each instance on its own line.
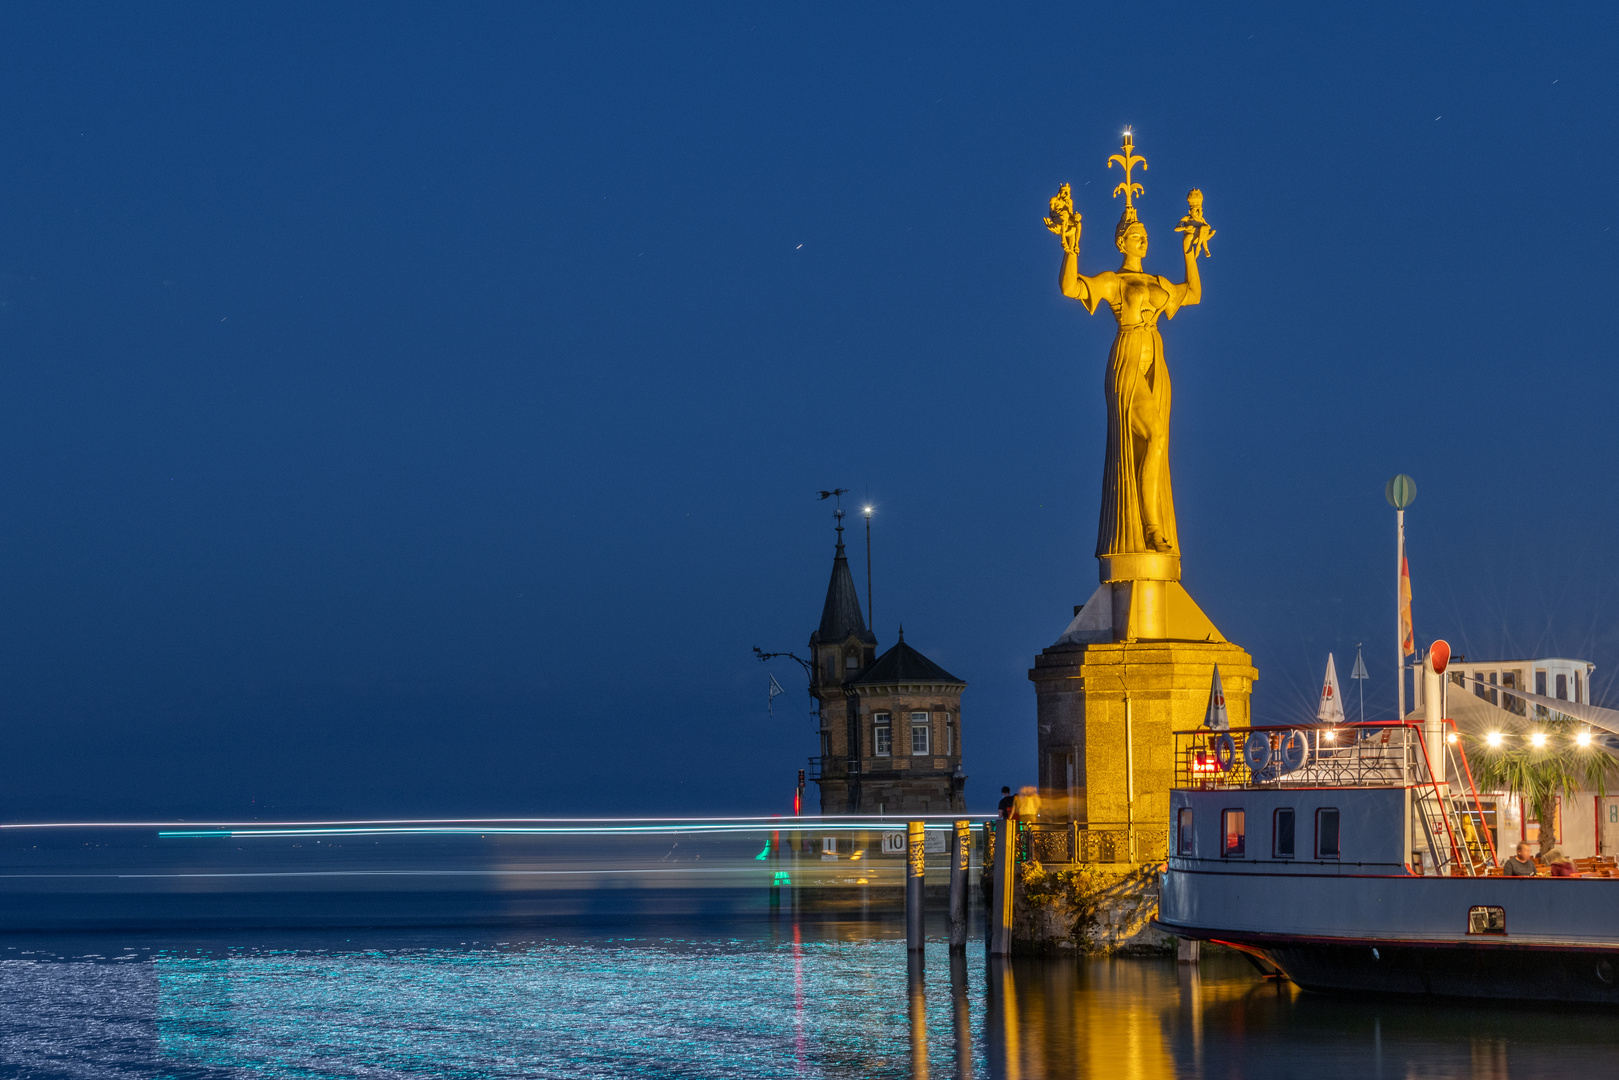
column 1455, row 831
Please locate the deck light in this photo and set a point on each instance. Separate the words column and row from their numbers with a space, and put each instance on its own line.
column 1583, row 738
column 1329, row 736
column 1538, row 738
column 1493, row 738
column 1450, row 737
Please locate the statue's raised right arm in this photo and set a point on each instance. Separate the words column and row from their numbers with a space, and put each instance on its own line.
column 1065, row 221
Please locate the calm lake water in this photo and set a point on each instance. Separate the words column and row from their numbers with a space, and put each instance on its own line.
column 753, row 1000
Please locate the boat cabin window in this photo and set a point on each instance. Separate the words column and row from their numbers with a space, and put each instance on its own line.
column 1183, row 831
column 1326, row 833
column 1486, row 920
column 1282, row 827
column 1234, row 834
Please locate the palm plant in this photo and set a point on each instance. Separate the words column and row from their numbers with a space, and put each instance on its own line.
column 1537, row 770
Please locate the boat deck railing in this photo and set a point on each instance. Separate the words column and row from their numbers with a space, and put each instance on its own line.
column 1312, row 755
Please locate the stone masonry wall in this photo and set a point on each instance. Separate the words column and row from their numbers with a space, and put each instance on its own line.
column 1087, row 908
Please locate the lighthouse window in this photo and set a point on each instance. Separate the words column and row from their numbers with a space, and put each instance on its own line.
column 1284, row 833
column 1326, row 833
column 1233, row 833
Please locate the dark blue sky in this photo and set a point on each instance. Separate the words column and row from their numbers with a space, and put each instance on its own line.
column 411, row 411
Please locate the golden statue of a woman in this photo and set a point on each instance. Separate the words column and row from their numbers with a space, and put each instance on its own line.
column 1138, row 507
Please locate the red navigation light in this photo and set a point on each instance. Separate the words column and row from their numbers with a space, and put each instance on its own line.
column 1202, row 763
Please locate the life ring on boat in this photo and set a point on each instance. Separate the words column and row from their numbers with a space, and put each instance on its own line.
column 1256, row 750
column 1294, row 750
column 1225, row 751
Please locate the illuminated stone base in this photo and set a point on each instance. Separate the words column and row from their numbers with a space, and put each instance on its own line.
column 1081, row 691
column 1096, row 909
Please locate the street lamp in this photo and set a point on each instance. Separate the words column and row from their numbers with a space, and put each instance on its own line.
column 870, row 614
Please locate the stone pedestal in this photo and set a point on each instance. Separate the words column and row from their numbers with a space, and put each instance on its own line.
column 1090, row 689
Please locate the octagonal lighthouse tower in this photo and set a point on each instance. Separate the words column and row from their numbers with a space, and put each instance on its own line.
column 1137, row 661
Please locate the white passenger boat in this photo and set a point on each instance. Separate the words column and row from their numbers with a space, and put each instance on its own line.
column 1355, row 858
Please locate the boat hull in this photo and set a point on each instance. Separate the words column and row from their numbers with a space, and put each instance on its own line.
column 1500, row 971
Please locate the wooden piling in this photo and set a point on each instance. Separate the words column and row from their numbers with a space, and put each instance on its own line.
column 914, row 927
column 961, row 853
column 1005, row 867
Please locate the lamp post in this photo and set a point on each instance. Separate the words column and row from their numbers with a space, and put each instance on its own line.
column 871, row 615
column 1400, row 492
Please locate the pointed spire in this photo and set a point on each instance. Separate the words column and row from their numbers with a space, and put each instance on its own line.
column 841, row 615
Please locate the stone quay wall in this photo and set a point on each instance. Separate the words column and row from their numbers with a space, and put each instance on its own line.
column 1094, row 909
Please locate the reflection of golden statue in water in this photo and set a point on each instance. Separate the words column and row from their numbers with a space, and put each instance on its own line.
column 1138, row 508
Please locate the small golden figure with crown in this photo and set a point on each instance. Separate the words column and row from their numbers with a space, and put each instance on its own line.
column 1194, row 224
column 1065, row 220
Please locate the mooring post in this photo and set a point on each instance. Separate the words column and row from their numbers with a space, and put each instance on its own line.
column 986, row 882
column 1005, row 867
column 961, row 853
column 774, row 846
column 914, row 927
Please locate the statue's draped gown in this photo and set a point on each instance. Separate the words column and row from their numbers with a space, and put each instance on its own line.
column 1136, row 361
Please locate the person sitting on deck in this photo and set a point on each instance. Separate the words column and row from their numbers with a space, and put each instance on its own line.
column 1561, row 865
column 1522, row 865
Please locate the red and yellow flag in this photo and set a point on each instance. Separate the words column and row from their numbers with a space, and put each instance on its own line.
column 1408, row 644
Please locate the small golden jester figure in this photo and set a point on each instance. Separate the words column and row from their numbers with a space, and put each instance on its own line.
column 1193, row 224
column 1065, row 220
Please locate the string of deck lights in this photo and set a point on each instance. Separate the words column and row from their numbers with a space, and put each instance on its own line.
column 1537, row 739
